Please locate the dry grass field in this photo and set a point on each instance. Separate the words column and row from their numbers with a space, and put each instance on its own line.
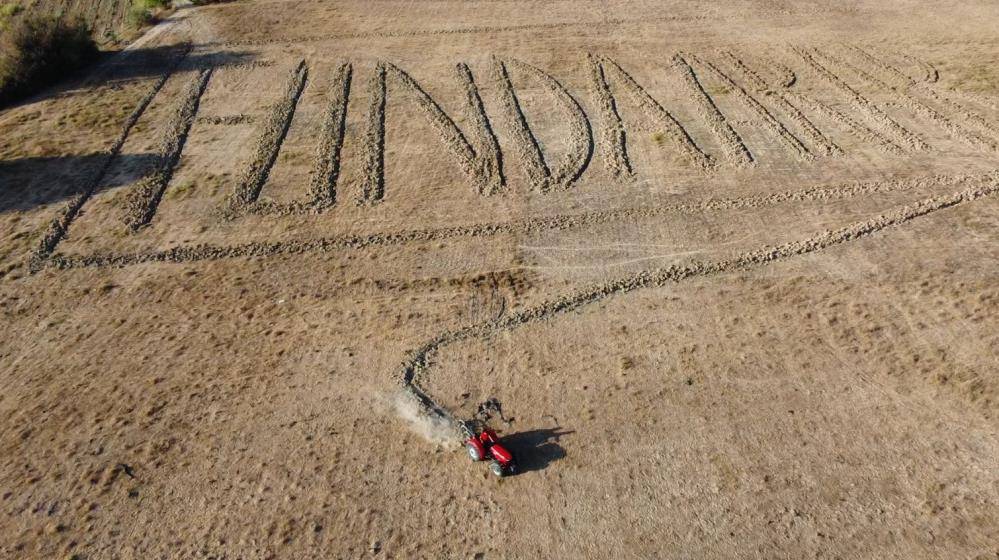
column 730, row 267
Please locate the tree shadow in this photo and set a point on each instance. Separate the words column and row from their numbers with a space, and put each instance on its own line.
column 536, row 449
column 122, row 67
column 28, row 183
column 153, row 61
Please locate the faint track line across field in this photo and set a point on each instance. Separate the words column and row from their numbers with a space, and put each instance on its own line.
column 470, row 30
column 599, row 25
column 420, row 360
column 527, row 226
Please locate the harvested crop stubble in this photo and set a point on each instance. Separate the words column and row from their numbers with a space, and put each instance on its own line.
column 419, row 361
column 57, row 229
column 779, row 97
column 145, row 197
column 656, row 113
column 268, row 144
column 908, row 139
column 735, row 150
column 523, row 227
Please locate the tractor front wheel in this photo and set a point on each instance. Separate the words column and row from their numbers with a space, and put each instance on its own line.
column 473, row 452
column 496, row 468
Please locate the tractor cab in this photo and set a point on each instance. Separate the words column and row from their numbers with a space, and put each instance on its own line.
column 482, row 443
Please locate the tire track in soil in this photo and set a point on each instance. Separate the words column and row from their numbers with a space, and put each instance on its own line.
column 373, row 183
column 930, row 73
column 525, row 143
column 882, row 65
column 488, row 145
column 989, row 100
column 227, row 120
column 918, row 107
column 477, row 165
column 785, row 76
column 419, row 361
column 59, row 226
column 326, row 170
column 268, row 146
column 655, row 112
column 983, row 125
column 906, row 137
column 248, row 65
column 529, row 226
column 860, row 131
column 819, row 140
column 790, row 142
column 141, row 204
column 735, row 149
column 580, row 150
column 613, row 139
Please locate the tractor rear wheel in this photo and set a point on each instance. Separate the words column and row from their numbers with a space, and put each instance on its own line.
column 496, row 468
column 473, row 452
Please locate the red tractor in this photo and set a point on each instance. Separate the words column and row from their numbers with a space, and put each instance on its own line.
column 484, row 445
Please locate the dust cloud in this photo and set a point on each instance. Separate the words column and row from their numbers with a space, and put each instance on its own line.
column 432, row 428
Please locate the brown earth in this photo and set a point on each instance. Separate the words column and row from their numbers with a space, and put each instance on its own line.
column 730, row 268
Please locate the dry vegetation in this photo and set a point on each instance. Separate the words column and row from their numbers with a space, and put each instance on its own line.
column 46, row 43
column 108, row 20
column 730, row 268
column 36, row 51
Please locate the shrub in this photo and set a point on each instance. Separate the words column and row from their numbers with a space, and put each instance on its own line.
column 144, row 12
column 38, row 50
column 138, row 16
column 7, row 11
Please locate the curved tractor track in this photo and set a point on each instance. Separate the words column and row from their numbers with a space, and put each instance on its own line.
column 527, row 226
column 420, row 360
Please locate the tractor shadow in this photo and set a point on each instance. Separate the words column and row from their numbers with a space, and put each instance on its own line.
column 536, row 449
